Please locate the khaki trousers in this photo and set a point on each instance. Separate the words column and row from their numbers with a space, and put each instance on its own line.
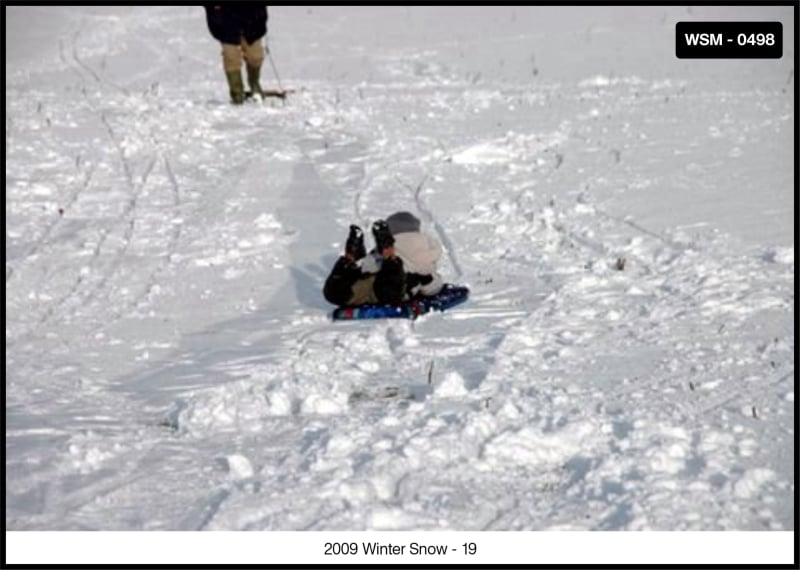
column 362, row 292
column 232, row 55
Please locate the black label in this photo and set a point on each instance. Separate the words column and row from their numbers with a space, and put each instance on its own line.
column 732, row 40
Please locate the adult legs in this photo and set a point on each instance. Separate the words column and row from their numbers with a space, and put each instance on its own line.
column 253, row 57
column 232, row 64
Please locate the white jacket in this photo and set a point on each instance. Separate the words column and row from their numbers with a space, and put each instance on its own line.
column 420, row 254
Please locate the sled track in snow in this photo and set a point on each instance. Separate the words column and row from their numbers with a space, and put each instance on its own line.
column 597, row 245
column 42, row 243
column 171, row 246
column 89, row 69
column 167, row 257
column 128, row 217
column 79, row 61
column 135, row 191
column 641, row 229
column 611, row 253
column 9, row 126
column 213, row 507
column 100, row 490
column 445, row 239
column 70, row 302
column 127, row 213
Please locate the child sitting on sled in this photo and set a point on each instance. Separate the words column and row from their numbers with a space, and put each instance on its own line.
column 401, row 267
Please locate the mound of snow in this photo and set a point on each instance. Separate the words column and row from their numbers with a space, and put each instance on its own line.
column 782, row 255
column 239, row 466
column 452, row 386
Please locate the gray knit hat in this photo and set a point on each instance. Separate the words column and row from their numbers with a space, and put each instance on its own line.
column 401, row 222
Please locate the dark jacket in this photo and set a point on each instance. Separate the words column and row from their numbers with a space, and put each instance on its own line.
column 229, row 23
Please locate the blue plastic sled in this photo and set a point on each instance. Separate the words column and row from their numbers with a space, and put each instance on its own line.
column 448, row 297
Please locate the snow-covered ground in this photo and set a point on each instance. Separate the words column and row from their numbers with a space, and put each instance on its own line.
column 170, row 363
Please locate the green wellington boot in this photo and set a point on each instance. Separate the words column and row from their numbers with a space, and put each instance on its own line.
column 253, row 76
column 236, row 86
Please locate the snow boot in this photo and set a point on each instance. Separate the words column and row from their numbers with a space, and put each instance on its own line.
column 383, row 237
column 253, row 76
column 236, row 86
column 355, row 243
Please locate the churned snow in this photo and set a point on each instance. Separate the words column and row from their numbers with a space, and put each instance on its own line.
column 623, row 219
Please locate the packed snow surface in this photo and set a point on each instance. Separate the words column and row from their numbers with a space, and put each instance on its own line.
column 623, row 219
